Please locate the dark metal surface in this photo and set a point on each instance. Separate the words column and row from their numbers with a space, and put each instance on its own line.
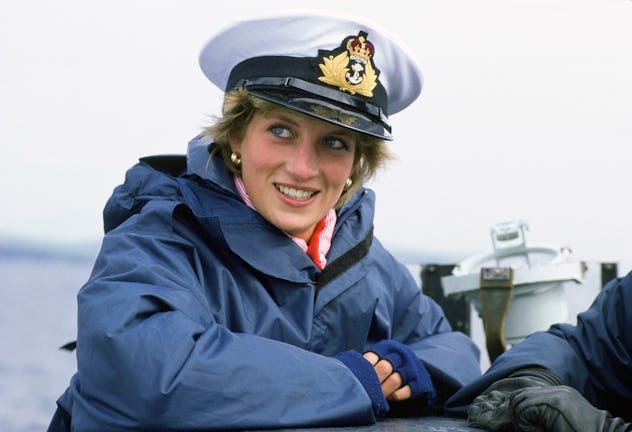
column 455, row 307
column 410, row 424
column 609, row 271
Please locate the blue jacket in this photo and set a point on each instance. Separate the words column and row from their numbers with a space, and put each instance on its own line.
column 595, row 356
column 201, row 315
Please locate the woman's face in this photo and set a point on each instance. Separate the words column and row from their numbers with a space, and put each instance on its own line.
column 294, row 168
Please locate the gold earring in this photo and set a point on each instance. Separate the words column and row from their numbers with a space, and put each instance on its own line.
column 235, row 158
column 348, row 183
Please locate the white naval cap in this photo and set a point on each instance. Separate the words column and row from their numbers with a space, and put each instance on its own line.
column 337, row 68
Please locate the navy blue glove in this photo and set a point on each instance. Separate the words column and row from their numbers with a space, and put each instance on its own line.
column 411, row 369
column 364, row 372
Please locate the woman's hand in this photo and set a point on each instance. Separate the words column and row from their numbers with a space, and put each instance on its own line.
column 390, row 371
column 390, row 379
column 401, row 373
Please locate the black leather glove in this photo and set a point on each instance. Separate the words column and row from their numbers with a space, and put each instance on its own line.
column 560, row 409
column 490, row 410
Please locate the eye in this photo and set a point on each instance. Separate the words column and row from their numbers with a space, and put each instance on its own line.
column 280, row 131
column 336, row 143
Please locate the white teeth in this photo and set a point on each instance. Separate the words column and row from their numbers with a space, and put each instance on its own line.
column 295, row 193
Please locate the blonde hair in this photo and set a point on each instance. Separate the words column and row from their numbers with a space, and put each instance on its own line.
column 239, row 107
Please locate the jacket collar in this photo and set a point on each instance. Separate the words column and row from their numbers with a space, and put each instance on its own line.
column 209, row 191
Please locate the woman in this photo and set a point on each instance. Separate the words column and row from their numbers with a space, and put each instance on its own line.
column 243, row 289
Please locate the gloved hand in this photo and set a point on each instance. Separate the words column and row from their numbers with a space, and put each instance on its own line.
column 407, row 364
column 560, row 409
column 364, row 372
column 490, row 410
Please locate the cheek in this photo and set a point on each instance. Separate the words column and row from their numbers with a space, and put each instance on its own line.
column 349, row 166
column 261, row 160
column 341, row 171
column 255, row 155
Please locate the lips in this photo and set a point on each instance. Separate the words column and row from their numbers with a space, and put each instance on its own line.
column 297, row 194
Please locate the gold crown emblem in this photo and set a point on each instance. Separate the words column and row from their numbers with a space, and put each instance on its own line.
column 351, row 70
column 360, row 49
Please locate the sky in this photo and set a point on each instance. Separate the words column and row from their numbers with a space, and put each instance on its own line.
column 525, row 114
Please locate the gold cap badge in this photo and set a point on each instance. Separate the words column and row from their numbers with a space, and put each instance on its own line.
column 352, row 70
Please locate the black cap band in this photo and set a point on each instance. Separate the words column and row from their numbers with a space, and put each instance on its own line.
column 289, row 81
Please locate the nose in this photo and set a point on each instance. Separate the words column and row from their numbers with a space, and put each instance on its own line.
column 303, row 163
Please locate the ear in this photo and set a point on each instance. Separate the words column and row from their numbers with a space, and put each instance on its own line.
column 233, row 143
column 235, row 146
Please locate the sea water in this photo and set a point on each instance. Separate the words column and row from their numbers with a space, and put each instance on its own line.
column 38, row 315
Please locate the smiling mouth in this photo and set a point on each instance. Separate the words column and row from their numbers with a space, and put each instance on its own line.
column 297, row 194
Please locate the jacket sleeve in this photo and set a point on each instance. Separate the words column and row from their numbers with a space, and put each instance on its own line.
column 451, row 358
column 594, row 356
column 151, row 355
